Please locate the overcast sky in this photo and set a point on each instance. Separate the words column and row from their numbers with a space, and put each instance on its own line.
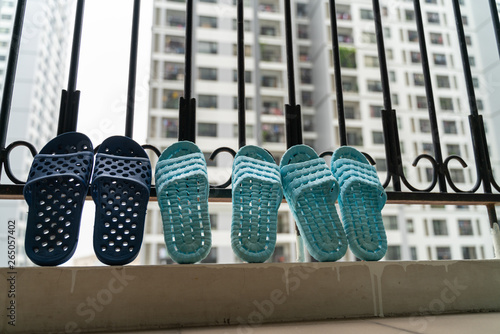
column 103, row 70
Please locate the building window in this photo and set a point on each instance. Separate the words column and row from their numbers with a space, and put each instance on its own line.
column 410, row 226
column 308, row 123
column 436, row 38
column 207, row 47
column 475, row 82
column 439, row 227
column 374, row 86
column 351, row 112
column 371, row 61
column 368, row 37
column 248, row 50
column 428, row 148
column 433, row 18
column 431, row 1
column 306, row 76
column 393, row 253
column 248, row 76
column 248, row 103
column 479, row 104
column 465, row 20
column 307, row 100
column 270, row 53
column 206, row 73
column 443, row 253
column 176, row 19
column 453, row 149
column 170, row 99
column 412, row 36
column 246, row 25
column 415, row 57
column 173, row 71
column 376, row 111
column 378, row 137
column 302, row 10
column 207, row 101
column 272, row 108
column 366, row 14
column 469, row 253
column 354, row 137
column 472, row 61
column 273, row 133
column 421, row 102
column 465, row 227
column 418, row 79
column 446, row 103
column 413, row 253
column 169, row 128
column 443, row 81
column 450, row 127
column 457, row 175
column 303, row 31
column 409, row 15
column 174, row 45
column 268, row 29
column 439, row 59
column 381, row 165
column 207, row 129
column 270, row 81
column 208, row 22
column 390, row 222
column 468, row 40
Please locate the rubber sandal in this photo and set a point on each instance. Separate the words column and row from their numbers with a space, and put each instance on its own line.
column 361, row 200
column 311, row 191
column 55, row 191
column 182, row 189
column 256, row 197
column 120, row 189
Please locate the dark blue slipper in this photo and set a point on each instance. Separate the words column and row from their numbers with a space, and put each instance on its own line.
column 55, row 191
column 120, row 189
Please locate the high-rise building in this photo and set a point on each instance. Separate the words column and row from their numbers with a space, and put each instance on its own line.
column 415, row 232
column 40, row 77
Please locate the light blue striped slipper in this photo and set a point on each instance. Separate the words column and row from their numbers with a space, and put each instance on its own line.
column 361, row 200
column 257, row 195
column 311, row 191
column 182, row 190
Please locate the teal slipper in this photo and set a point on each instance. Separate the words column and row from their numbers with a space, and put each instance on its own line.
column 311, row 191
column 182, row 191
column 361, row 200
column 257, row 195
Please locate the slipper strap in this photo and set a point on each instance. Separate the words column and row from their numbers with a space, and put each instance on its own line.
column 121, row 167
column 245, row 167
column 348, row 171
column 300, row 177
column 179, row 168
column 52, row 165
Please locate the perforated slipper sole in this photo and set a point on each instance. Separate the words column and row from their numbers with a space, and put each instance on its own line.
column 311, row 191
column 55, row 191
column 120, row 189
column 256, row 197
column 361, row 200
column 182, row 190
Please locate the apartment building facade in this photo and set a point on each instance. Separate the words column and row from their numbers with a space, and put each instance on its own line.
column 415, row 232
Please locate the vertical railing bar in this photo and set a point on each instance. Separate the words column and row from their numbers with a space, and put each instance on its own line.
column 189, row 50
column 289, row 55
column 293, row 116
column 187, row 105
column 132, row 74
column 480, row 145
column 496, row 22
column 70, row 98
column 10, row 75
column 338, row 74
column 75, row 49
column 430, row 95
column 241, row 74
column 384, row 74
column 465, row 59
column 389, row 120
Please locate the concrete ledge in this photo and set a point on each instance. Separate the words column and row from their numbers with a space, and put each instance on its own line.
column 92, row 299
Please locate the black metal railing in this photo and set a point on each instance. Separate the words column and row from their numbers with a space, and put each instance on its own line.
column 395, row 180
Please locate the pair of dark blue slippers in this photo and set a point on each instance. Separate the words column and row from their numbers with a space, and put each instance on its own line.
column 57, row 186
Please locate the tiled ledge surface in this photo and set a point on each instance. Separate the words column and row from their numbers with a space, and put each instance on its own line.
column 106, row 299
